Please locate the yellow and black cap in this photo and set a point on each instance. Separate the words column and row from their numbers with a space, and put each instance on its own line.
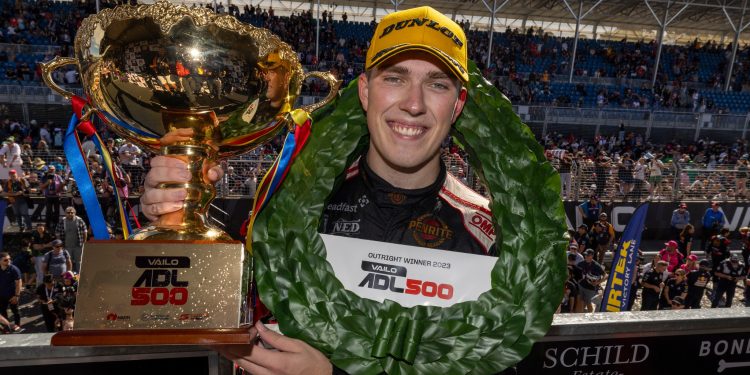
column 423, row 29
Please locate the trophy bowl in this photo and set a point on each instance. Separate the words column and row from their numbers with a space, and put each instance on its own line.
column 149, row 70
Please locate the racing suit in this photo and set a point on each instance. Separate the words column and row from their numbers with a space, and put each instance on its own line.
column 446, row 215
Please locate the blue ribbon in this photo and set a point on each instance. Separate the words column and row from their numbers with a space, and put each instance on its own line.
column 3, row 206
column 111, row 170
column 283, row 162
column 83, row 181
column 129, row 128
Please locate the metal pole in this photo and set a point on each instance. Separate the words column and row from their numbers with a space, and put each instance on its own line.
column 98, row 6
column 737, row 30
column 744, row 128
column 596, row 26
column 662, row 30
column 493, row 11
column 317, row 35
column 492, row 31
column 575, row 42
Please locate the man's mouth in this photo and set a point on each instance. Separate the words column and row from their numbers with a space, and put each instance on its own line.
column 406, row 130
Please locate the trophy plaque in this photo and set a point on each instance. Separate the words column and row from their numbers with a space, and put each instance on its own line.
column 148, row 71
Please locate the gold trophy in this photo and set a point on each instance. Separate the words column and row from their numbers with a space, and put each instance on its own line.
column 149, row 70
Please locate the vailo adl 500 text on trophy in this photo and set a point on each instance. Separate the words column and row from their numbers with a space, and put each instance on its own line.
column 149, row 70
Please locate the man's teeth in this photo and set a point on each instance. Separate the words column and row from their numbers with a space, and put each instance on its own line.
column 408, row 131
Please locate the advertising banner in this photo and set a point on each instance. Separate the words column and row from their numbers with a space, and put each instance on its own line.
column 408, row 275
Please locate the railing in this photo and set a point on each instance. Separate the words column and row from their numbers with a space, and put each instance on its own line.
column 678, row 182
column 32, row 49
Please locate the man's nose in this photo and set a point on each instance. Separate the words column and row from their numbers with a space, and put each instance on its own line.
column 414, row 100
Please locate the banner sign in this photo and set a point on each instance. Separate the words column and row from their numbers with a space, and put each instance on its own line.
column 409, row 275
column 617, row 291
column 670, row 353
column 657, row 226
column 150, row 284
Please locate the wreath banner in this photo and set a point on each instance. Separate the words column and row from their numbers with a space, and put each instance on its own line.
column 362, row 336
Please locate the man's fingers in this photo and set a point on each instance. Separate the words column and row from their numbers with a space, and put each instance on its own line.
column 178, row 135
column 152, row 196
column 166, row 161
column 215, row 173
column 278, row 341
column 158, row 175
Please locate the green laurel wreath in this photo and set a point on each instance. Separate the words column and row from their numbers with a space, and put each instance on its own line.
column 362, row 336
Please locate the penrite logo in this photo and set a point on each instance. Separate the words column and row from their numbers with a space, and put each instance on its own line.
column 345, row 227
column 382, row 276
column 430, row 231
column 484, row 224
column 152, row 286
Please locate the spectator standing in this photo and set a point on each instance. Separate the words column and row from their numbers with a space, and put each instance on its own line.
column 41, row 243
column 73, row 232
column 676, row 287
column 741, row 175
column 582, row 237
column 713, row 220
column 655, row 167
column 729, row 272
column 590, row 210
column 10, row 154
column 53, row 185
column 625, row 174
column 607, row 236
column 680, row 218
column 685, row 240
column 718, row 250
column 46, row 294
column 653, row 285
column 745, row 239
column 592, row 276
column 10, row 289
column 57, row 261
column 17, row 190
column 601, row 169
column 697, row 280
column 671, row 256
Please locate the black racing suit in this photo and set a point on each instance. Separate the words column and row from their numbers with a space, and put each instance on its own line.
column 446, row 215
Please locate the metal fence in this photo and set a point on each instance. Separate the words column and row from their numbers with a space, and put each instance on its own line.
column 678, row 181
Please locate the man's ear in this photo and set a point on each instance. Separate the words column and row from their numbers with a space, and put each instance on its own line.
column 362, row 83
column 459, row 105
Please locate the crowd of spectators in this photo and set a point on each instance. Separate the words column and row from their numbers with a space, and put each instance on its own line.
column 625, row 165
column 682, row 275
column 524, row 63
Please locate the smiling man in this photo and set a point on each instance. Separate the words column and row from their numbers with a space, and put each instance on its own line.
column 398, row 191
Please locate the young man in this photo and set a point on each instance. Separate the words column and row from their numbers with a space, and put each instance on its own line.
column 73, row 232
column 10, row 289
column 57, row 262
column 412, row 92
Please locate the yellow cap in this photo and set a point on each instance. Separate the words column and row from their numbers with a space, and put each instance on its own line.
column 423, row 29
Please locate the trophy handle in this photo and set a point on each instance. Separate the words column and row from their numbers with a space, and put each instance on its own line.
column 51, row 66
column 333, row 84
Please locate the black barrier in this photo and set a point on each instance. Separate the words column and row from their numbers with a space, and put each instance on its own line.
column 700, row 342
column 660, row 215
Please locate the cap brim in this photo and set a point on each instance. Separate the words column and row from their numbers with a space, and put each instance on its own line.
column 449, row 62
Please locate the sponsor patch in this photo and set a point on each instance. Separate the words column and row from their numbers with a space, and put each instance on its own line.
column 345, row 227
column 430, row 231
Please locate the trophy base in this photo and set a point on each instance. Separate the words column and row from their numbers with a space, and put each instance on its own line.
column 178, row 233
column 128, row 337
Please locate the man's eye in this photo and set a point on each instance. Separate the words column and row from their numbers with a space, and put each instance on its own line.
column 392, row 79
column 439, row 86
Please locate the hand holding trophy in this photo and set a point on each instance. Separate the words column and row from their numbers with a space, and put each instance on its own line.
column 149, row 71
